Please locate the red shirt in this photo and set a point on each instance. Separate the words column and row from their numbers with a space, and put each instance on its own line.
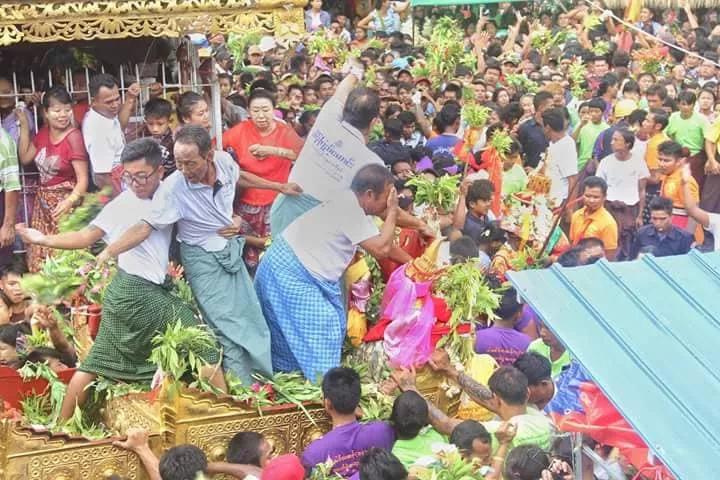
column 54, row 160
column 274, row 169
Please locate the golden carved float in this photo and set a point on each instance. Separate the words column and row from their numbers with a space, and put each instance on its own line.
column 68, row 20
column 175, row 417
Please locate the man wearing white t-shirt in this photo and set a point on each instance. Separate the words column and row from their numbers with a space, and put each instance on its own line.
column 103, row 128
column 561, row 156
column 626, row 175
column 335, row 149
column 298, row 280
column 136, row 305
column 709, row 221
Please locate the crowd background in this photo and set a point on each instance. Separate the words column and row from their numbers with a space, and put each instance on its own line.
column 618, row 111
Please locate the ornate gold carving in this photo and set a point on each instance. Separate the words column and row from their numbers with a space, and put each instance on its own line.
column 59, row 20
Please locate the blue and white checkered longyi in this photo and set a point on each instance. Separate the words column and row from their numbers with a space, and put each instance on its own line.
column 305, row 314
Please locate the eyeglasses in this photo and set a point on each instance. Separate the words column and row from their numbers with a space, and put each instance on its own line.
column 139, row 178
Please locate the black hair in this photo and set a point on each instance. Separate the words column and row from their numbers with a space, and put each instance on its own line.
column 466, row 432
column 101, row 80
column 570, row 257
column 361, row 107
column 42, row 354
column 371, row 177
column 392, row 110
column 10, row 332
column 261, row 93
column 341, row 385
column 409, row 415
column 263, row 84
column 631, row 86
column 140, row 148
column 597, row 102
column 294, row 86
column 479, row 190
column 393, row 128
column 554, row 119
column 657, row 90
column 687, row 97
column 58, row 93
column 492, row 233
column 672, row 149
column 406, row 86
column 183, row 462
column 379, row 464
column 185, row 104
column 526, row 462
column 637, row 116
column 540, row 98
column 449, row 114
column 307, row 115
column 16, row 266
column 463, row 248
column 595, row 182
column 510, row 385
column 157, row 108
column 627, row 136
column 509, row 305
column 407, row 118
column 511, row 113
column 296, row 61
column 534, row 366
column 660, row 117
column 194, row 135
column 671, row 104
column 708, row 90
column 244, row 448
column 452, row 87
column 661, row 203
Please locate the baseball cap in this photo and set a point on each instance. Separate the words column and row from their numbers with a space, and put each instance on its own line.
column 254, row 50
column 624, row 107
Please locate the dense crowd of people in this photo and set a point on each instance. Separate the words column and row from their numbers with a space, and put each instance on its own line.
column 317, row 160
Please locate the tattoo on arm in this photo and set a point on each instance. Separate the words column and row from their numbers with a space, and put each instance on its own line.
column 441, row 422
column 477, row 391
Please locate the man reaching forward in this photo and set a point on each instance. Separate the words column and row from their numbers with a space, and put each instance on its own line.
column 136, row 306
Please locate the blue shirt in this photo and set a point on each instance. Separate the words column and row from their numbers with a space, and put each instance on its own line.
column 199, row 210
column 675, row 242
column 533, row 141
column 443, row 143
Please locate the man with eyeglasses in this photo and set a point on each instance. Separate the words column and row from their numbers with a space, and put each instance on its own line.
column 136, row 304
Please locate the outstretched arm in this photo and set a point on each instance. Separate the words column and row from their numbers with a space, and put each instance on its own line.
column 691, row 205
column 63, row 241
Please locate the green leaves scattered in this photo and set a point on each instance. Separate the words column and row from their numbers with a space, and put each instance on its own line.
column 475, row 115
column 80, row 217
column 180, row 349
column 440, row 193
column 55, row 392
column 78, row 425
column 237, row 44
column 468, row 296
column 501, row 141
column 577, row 73
column 522, row 83
column 447, row 51
column 451, row 466
column 372, row 310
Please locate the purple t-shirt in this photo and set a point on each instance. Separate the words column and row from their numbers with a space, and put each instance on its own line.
column 346, row 445
column 503, row 344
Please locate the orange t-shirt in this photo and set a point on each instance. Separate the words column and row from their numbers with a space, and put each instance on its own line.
column 598, row 224
column 274, row 169
column 672, row 188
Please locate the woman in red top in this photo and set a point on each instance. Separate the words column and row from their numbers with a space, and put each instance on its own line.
column 59, row 153
column 266, row 147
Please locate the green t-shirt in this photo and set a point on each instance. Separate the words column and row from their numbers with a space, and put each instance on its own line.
column 409, row 451
column 586, row 141
column 533, row 428
column 514, row 180
column 539, row 346
column 689, row 133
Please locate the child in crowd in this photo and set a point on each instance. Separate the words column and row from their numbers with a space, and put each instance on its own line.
column 14, row 304
column 415, row 436
column 514, row 178
column 472, row 213
column 157, row 126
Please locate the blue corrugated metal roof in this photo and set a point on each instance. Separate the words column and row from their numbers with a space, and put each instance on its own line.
column 648, row 332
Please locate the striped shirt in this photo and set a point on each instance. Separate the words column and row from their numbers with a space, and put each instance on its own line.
column 9, row 171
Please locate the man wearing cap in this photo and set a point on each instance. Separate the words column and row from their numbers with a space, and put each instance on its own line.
column 255, row 56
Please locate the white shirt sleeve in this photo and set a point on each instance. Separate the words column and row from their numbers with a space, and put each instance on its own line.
column 104, row 220
column 602, row 169
column 165, row 210
column 567, row 164
column 98, row 148
column 643, row 171
column 358, row 227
